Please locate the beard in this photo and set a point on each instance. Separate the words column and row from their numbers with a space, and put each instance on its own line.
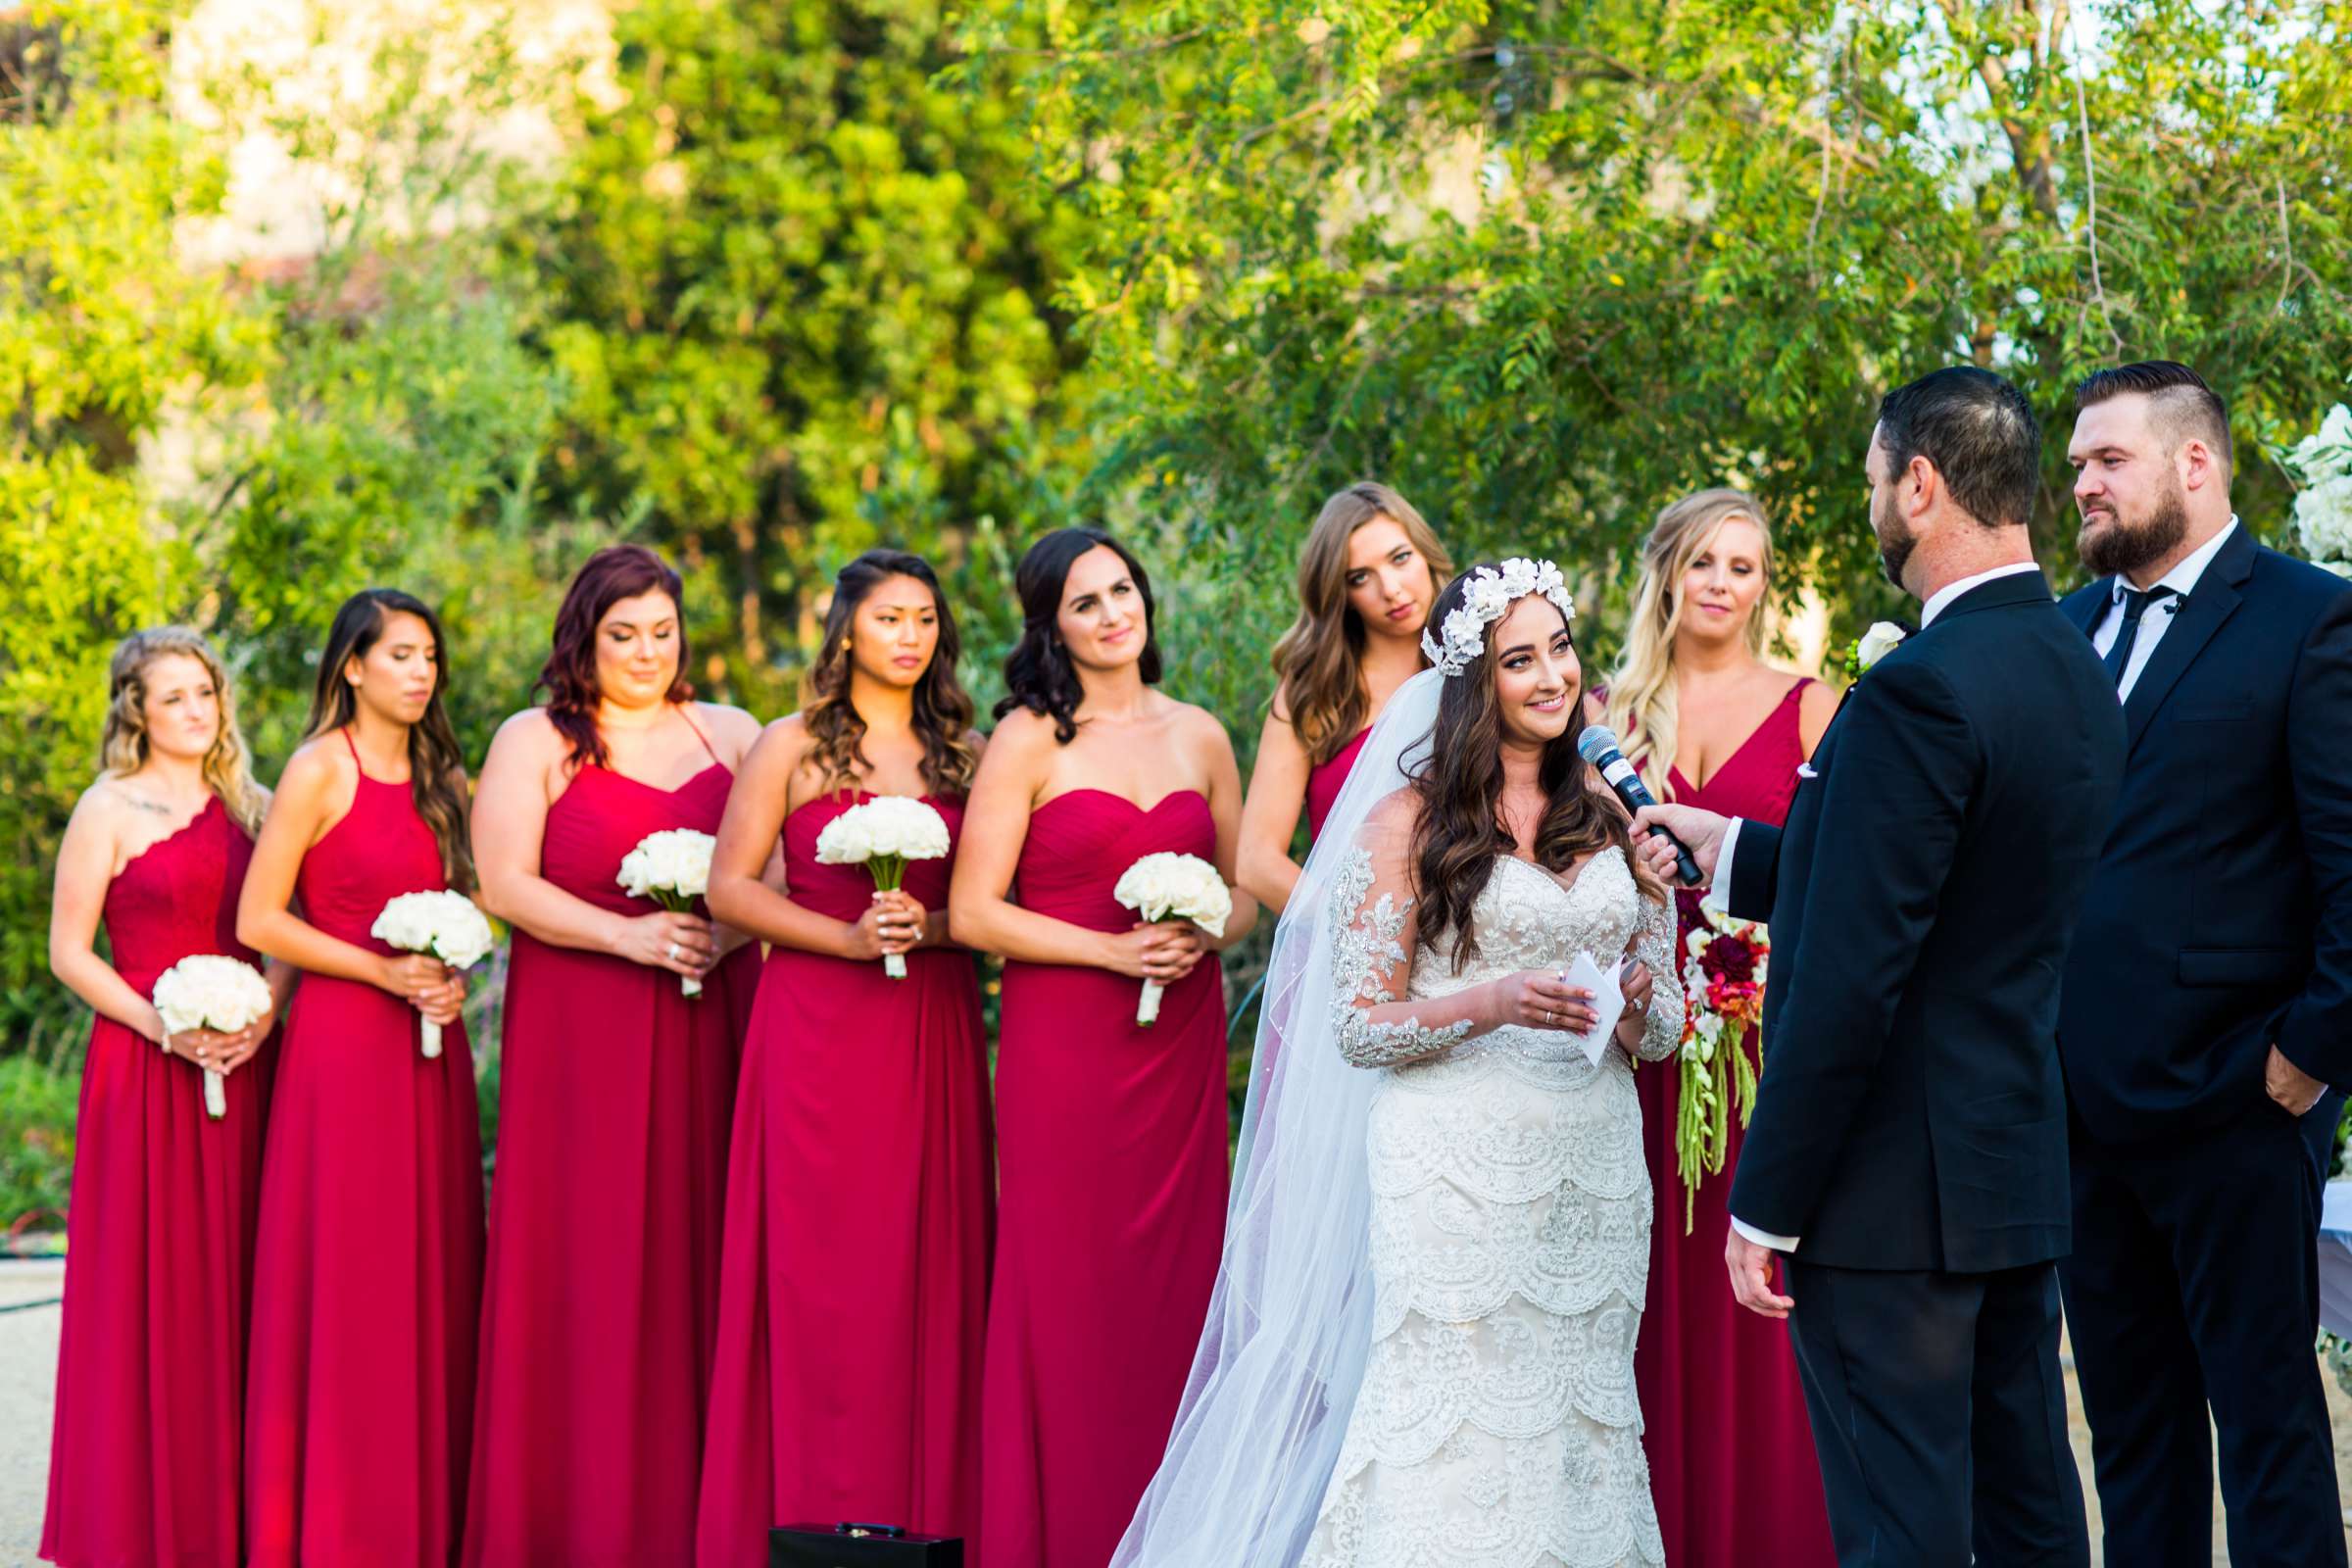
column 1896, row 541
column 2121, row 548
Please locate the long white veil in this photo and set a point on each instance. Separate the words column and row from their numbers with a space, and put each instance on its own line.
column 1283, row 1352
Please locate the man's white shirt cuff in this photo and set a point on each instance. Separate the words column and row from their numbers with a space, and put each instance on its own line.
column 1779, row 1243
column 1718, row 897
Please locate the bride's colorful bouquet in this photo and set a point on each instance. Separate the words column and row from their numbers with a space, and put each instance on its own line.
column 210, row 991
column 882, row 835
column 1723, row 1008
column 674, row 869
column 1173, row 887
column 446, row 925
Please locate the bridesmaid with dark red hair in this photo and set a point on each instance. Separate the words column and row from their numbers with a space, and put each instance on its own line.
column 615, row 1092
column 368, row 1266
column 859, row 1199
column 1113, row 1173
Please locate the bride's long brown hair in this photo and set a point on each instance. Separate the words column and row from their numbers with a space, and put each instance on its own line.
column 1460, row 827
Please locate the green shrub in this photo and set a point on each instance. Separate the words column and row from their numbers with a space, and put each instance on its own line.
column 36, row 1138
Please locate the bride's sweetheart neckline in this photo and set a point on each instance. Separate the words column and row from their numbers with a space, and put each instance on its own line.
column 1575, row 882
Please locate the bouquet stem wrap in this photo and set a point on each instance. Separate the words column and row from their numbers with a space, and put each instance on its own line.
column 1173, row 887
column 882, row 835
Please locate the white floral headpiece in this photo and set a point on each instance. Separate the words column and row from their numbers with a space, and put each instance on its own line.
column 1486, row 596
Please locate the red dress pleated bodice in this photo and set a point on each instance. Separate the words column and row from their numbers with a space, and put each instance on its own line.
column 145, row 1455
column 1731, row 1449
column 859, row 1221
column 1113, row 1186
column 615, row 1095
column 368, row 1269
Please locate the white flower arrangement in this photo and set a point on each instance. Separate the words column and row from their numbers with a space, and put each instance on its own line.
column 445, row 924
column 208, row 990
column 672, row 869
column 1487, row 595
column 1173, row 887
column 2322, row 459
column 882, row 835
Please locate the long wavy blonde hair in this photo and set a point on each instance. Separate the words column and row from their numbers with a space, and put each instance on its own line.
column 1641, row 706
column 1319, row 662
column 123, row 747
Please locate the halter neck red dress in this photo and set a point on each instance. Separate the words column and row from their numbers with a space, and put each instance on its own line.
column 1111, row 1196
column 1731, row 1449
column 144, row 1456
column 860, row 1216
column 368, row 1265
column 616, row 1094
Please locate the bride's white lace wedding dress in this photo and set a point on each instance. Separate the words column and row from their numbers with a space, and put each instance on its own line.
column 1496, row 1425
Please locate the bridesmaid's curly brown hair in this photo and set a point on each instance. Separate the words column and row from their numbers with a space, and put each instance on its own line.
column 943, row 709
column 1460, row 829
column 569, row 677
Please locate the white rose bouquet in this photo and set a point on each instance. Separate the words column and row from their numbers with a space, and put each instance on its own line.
column 208, row 991
column 882, row 835
column 674, row 869
column 1173, row 887
column 446, row 925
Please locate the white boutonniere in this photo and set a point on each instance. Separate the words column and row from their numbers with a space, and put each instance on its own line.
column 1870, row 646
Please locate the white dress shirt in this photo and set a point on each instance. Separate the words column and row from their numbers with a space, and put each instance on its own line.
column 1718, row 897
column 2183, row 580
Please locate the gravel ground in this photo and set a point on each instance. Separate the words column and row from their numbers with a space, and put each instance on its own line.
column 29, row 1363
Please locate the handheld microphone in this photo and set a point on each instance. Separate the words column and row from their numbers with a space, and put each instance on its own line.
column 1597, row 745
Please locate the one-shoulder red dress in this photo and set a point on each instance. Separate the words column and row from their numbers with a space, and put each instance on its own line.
column 860, row 1211
column 144, row 1455
column 1112, row 1184
column 1731, row 1449
column 616, row 1094
column 367, row 1268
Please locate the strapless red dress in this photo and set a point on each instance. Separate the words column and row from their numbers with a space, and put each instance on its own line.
column 1732, row 1467
column 1327, row 778
column 145, row 1455
column 1112, row 1184
column 860, row 1211
column 368, row 1265
column 616, row 1094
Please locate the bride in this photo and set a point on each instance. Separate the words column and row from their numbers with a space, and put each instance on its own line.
column 1421, row 1350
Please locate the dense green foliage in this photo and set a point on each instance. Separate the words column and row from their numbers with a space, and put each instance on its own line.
column 806, row 276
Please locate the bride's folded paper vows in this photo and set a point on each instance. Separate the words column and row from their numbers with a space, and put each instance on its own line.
column 1608, row 1000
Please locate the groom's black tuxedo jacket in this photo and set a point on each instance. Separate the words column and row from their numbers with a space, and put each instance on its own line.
column 2220, row 916
column 1922, row 898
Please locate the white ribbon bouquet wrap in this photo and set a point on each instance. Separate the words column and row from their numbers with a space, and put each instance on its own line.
column 446, row 925
column 210, row 991
column 1173, row 887
column 674, row 869
column 882, row 835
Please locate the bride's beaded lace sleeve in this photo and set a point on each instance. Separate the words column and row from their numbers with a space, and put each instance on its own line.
column 1655, row 947
column 1373, row 933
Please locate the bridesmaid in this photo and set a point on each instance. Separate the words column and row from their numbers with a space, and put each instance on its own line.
column 615, row 1091
column 1370, row 570
column 1113, row 1173
column 1710, row 723
column 367, row 1267
column 860, row 1199
column 144, row 1456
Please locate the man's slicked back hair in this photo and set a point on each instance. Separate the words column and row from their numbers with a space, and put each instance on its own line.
column 1979, row 433
column 2179, row 404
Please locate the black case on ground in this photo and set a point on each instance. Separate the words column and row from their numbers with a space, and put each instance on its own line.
column 859, row 1545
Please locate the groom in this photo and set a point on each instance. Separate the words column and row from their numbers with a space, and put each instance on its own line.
column 1908, row 1150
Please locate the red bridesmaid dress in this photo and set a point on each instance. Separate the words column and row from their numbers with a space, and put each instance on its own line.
column 144, row 1456
column 1327, row 778
column 368, row 1269
column 615, row 1091
column 1732, row 1467
column 860, row 1214
column 1112, row 1184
